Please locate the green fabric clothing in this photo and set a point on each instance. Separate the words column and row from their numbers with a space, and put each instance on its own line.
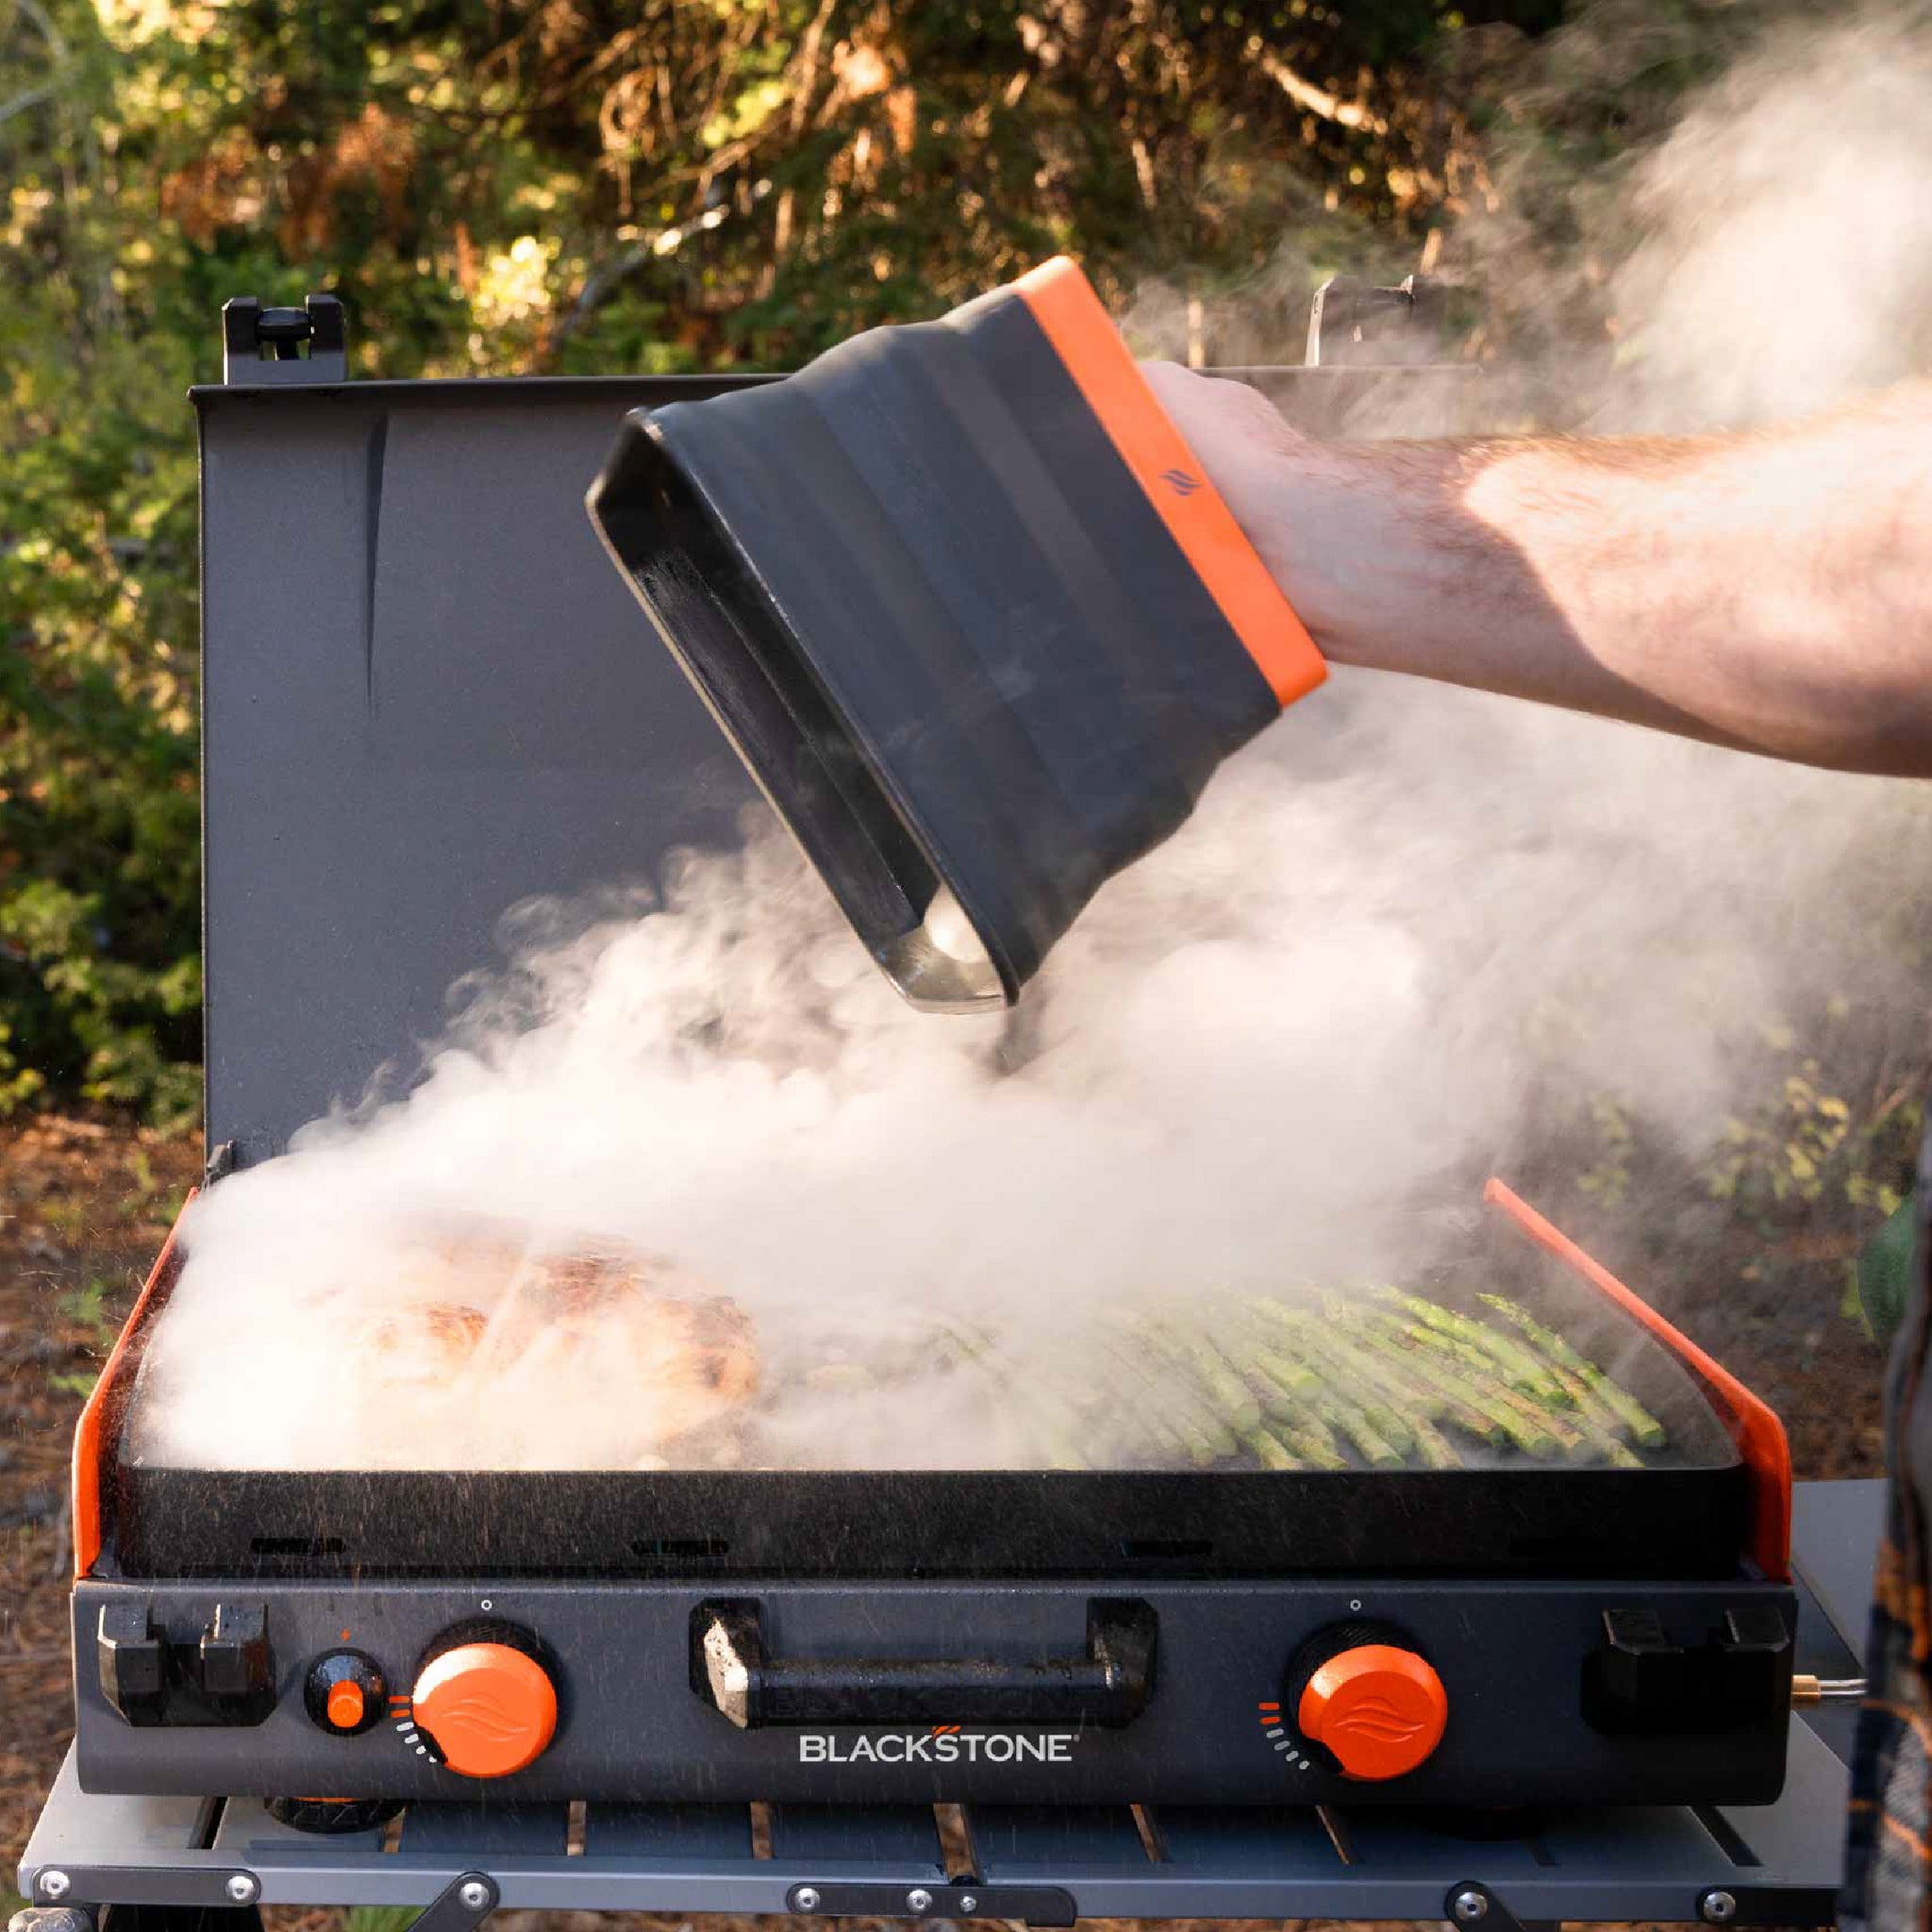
column 1885, row 1275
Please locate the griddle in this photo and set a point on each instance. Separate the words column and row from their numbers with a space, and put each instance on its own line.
column 1681, row 1514
column 426, row 697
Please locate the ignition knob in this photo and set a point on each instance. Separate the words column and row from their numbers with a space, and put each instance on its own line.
column 345, row 1693
column 488, row 1706
column 1369, row 1698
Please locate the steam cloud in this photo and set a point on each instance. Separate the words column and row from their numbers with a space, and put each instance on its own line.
column 1399, row 929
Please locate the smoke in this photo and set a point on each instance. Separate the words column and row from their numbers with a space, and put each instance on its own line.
column 1785, row 251
column 1767, row 255
column 1406, row 932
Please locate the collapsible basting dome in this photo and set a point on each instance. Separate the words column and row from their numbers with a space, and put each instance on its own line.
column 971, row 612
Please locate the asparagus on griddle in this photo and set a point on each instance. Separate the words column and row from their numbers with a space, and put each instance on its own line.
column 1644, row 1427
column 1322, row 1356
column 1521, row 1370
column 1380, row 1439
column 1175, row 1375
column 1529, row 1432
column 1387, row 1379
column 1172, row 1414
column 1270, row 1451
column 1397, row 1360
column 1052, row 1424
column 1311, row 1441
column 1485, row 1379
column 1217, row 1375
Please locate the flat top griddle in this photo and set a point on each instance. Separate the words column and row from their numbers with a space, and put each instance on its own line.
column 1681, row 1514
column 392, row 762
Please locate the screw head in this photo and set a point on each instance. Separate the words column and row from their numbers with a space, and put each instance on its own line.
column 55, row 1885
column 1470, row 1905
column 242, row 1889
column 1718, row 1908
column 969, row 1904
column 919, row 1900
column 806, row 1899
column 474, row 1896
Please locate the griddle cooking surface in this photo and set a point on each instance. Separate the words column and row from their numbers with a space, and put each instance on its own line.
column 1680, row 1514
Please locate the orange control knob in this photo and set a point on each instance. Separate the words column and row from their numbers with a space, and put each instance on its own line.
column 488, row 1708
column 346, row 1692
column 346, row 1705
column 1378, row 1708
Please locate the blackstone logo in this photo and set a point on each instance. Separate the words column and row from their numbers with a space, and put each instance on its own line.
column 942, row 1744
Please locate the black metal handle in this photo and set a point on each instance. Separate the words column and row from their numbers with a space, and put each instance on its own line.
column 1106, row 1687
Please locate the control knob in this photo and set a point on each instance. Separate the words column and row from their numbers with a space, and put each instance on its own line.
column 486, row 1702
column 345, row 1693
column 1367, row 1698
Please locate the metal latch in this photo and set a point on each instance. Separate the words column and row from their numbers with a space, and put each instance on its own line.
column 267, row 344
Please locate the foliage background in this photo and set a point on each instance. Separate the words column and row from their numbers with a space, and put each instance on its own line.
column 509, row 186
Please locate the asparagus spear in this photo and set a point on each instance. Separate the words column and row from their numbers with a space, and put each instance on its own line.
column 1480, row 1376
column 1174, row 1413
column 1536, row 1437
column 1521, row 1370
column 1393, row 1401
column 1606, row 1442
column 1590, row 1408
column 1414, row 1367
column 1310, row 1439
column 1377, row 1433
column 1469, row 1357
column 1278, row 1379
column 1270, row 1451
column 1644, row 1427
column 1216, row 1375
column 1224, row 1412
column 1049, row 1413
column 1348, row 1421
column 1417, row 1402
column 1387, row 1409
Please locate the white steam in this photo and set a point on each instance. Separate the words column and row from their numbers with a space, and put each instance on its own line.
column 1398, row 928
column 1784, row 258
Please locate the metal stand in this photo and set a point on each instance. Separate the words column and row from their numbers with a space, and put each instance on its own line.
column 1775, row 1864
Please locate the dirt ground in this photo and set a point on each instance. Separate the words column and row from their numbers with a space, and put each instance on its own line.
column 85, row 1205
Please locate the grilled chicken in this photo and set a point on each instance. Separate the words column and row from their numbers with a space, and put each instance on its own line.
column 615, row 1326
column 426, row 1346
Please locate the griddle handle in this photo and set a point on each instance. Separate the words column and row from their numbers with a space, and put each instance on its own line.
column 1109, row 1687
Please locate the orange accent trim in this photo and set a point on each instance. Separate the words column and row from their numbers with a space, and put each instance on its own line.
column 1381, row 1709
column 1082, row 335
column 90, row 1433
column 1754, row 1426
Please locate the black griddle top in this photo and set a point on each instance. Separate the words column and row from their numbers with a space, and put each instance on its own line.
column 1683, row 1514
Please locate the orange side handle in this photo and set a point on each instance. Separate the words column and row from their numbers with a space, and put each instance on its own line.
column 1090, row 348
column 1754, row 1426
column 91, row 1434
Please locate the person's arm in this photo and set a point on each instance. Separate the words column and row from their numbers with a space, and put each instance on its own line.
column 1771, row 590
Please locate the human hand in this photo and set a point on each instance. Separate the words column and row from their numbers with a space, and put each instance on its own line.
column 1286, row 491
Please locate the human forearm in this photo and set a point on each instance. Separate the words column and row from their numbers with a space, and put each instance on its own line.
column 1770, row 592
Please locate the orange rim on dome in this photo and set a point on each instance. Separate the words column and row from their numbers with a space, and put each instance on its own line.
column 1090, row 348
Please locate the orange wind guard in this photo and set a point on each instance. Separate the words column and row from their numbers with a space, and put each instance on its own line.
column 1755, row 1428
column 92, row 1435
column 1102, row 368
